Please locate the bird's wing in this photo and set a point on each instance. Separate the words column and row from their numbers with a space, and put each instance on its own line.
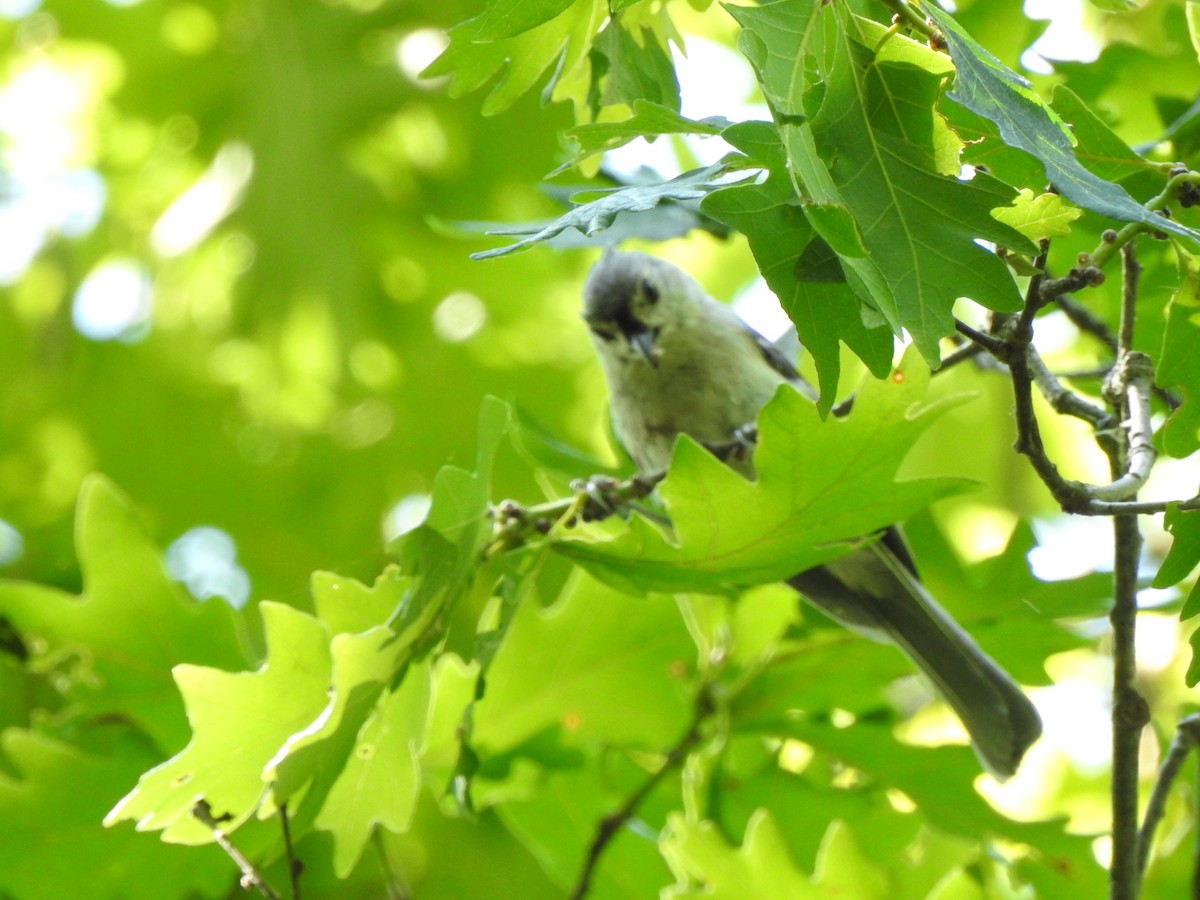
column 778, row 360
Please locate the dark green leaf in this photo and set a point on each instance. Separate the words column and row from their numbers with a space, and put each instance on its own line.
column 799, row 267
column 986, row 86
column 1096, row 145
column 626, row 69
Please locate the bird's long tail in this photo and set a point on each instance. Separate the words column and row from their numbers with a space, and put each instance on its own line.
column 872, row 590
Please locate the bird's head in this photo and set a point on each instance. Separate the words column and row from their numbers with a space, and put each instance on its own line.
column 629, row 298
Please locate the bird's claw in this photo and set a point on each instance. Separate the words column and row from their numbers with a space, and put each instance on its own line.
column 745, row 438
column 598, row 497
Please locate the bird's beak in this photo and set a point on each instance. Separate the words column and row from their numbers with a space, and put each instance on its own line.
column 644, row 342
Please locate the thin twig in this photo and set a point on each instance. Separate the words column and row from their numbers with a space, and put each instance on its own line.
column 295, row 866
column 1134, row 507
column 1086, row 321
column 1131, row 272
column 996, row 346
column 1187, row 738
column 250, row 875
column 1064, row 401
column 614, row 822
column 1129, row 385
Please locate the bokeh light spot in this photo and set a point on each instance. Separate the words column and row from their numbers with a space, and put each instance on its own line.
column 204, row 559
column 416, row 50
column 407, row 514
column 113, row 301
column 459, row 317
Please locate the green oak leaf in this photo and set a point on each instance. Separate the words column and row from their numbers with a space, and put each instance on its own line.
column 239, row 721
column 127, row 596
column 864, row 145
column 1179, row 362
column 50, row 842
column 1181, row 560
column 347, row 606
column 626, row 68
column 990, row 89
column 798, row 265
column 562, row 42
column 508, row 18
column 699, row 853
column 314, row 762
column 776, row 38
column 649, row 120
column 574, row 667
column 1040, row 216
column 921, row 226
column 598, row 215
column 821, row 487
column 1096, row 145
column 1184, row 555
column 379, row 782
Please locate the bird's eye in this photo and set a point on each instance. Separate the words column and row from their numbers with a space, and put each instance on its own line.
column 650, row 292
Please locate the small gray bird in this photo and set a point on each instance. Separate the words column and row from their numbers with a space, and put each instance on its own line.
column 678, row 362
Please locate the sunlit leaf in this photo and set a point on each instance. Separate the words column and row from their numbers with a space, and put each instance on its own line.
column 239, row 721
column 508, row 18
column 1037, row 217
column 700, row 853
column 573, row 667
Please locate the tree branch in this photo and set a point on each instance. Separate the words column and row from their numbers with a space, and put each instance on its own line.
column 1130, row 712
column 1187, row 738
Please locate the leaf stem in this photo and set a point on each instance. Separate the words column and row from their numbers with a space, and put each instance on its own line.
column 911, row 16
